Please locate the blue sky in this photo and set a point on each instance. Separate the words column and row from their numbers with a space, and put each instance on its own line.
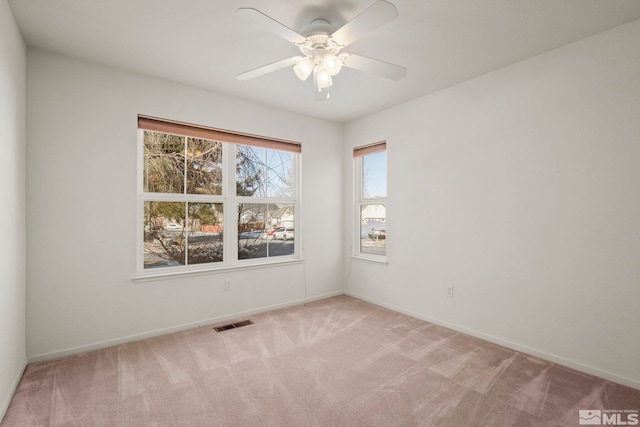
column 375, row 174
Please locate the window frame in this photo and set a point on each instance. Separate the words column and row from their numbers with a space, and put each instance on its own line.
column 360, row 201
column 228, row 198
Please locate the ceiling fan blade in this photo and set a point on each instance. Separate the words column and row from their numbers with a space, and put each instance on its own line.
column 257, row 72
column 369, row 20
column 261, row 20
column 370, row 65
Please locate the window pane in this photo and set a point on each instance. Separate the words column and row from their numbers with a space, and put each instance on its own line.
column 279, row 173
column 164, row 234
column 263, row 172
column 374, row 175
column 204, row 166
column 252, row 242
column 163, row 163
column 204, row 233
column 281, row 239
column 250, row 171
column 373, row 229
column 265, row 230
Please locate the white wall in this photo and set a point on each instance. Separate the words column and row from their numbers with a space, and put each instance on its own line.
column 81, row 199
column 12, row 212
column 521, row 189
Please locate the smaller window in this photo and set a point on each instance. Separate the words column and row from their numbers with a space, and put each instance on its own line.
column 371, row 200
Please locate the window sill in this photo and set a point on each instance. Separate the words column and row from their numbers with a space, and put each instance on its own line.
column 152, row 277
column 379, row 261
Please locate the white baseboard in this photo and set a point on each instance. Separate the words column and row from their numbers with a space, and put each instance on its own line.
column 509, row 344
column 137, row 337
column 4, row 404
column 206, row 322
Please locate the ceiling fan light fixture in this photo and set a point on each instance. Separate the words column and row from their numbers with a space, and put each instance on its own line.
column 324, row 79
column 304, row 68
column 332, row 64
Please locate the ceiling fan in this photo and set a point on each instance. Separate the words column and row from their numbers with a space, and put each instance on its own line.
column 322, row 47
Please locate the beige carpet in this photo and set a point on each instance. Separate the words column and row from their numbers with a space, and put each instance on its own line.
column 335, row 362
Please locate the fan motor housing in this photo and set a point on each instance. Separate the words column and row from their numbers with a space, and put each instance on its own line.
column 318, row 27
column 318, row 41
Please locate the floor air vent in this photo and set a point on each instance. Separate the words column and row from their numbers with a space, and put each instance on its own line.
column 233, row 325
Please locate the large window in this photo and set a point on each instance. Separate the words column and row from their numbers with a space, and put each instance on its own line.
column 210, row 198
column 371, row 201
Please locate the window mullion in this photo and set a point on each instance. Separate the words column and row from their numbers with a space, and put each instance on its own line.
column 265, row 200
column 186, row 141
column 230, row 241
column 267, row 220
column 186, row 203
column 169, row 197
column 186, row 233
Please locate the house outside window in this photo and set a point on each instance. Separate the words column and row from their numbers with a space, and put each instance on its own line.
column 210, row 199
column 370, row 166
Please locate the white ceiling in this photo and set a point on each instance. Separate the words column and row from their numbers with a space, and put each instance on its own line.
column 203, row 43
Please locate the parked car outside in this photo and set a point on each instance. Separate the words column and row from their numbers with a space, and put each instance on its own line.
column 377, row 234
column 271, row 232
column 283, row 234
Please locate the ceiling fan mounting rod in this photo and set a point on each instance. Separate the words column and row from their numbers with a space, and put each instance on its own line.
column 317, row 26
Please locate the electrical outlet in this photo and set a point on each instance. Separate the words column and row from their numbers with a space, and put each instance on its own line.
column 227, row 284
column 449, row 291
